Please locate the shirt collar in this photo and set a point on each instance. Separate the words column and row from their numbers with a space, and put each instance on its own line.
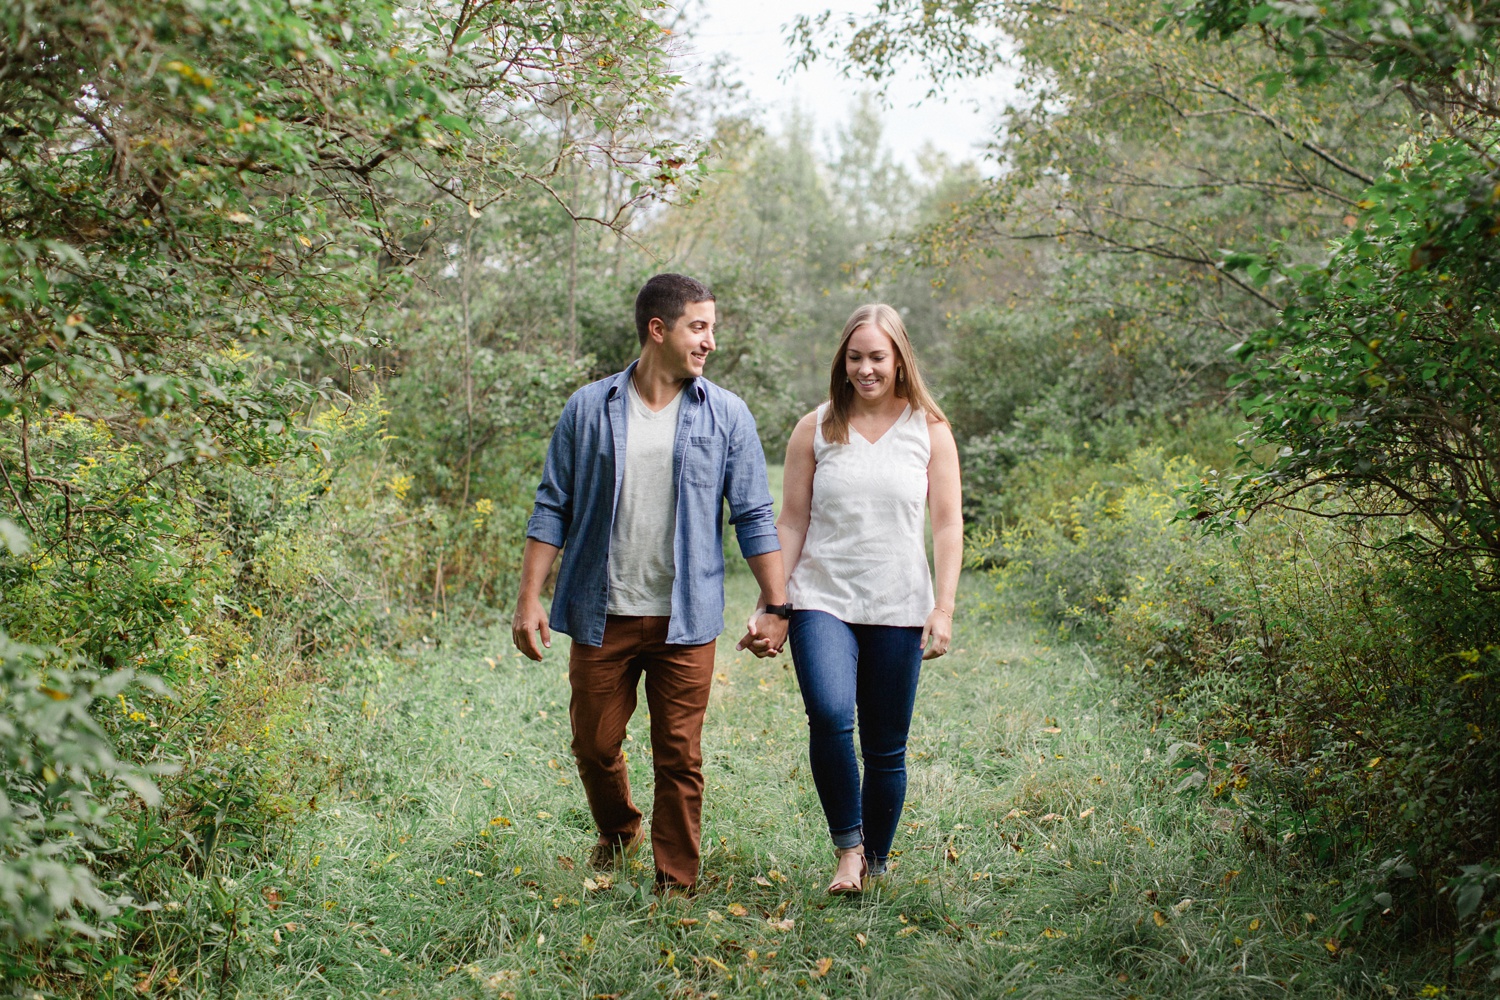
column 618, row 382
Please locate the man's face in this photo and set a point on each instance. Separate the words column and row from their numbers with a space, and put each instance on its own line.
column 686, row 344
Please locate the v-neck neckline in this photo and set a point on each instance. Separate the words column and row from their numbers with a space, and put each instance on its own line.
column 905, row 410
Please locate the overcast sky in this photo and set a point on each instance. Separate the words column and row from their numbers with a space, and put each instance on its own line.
column 751, row 32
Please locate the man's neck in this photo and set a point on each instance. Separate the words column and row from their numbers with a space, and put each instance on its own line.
column 656, row 387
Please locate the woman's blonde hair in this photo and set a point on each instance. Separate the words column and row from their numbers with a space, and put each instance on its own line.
column 909, row 383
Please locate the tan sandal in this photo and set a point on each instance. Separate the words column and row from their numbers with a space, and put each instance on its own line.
column 844, row 886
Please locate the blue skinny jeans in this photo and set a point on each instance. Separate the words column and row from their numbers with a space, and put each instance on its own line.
column 868, row 671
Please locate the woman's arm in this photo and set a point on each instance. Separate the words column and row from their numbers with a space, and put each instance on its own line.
column 945, row 506
column 796, row 492
column 791, row 526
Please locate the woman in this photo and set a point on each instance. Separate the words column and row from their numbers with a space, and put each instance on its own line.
column 859, row 470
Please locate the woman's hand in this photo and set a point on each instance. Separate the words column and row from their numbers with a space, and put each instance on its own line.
column 937, row 634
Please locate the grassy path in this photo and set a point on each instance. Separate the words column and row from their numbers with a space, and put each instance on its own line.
column 1042, row 851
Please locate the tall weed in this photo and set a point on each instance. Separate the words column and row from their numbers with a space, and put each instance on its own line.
column 1339, row 698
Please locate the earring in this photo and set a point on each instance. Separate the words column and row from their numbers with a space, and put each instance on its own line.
column 900, row 374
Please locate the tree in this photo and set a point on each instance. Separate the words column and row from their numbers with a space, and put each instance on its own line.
column 193, row 195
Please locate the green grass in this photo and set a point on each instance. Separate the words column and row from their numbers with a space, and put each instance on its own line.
column 1042, row 851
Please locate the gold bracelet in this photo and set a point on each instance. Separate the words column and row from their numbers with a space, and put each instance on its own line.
column 943, row 610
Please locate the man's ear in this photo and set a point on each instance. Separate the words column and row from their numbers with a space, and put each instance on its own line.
column 656, row 329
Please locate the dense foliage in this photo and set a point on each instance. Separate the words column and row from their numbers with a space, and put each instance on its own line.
column 211, row 218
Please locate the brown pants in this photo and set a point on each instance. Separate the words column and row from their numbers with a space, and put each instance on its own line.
column 678, row 679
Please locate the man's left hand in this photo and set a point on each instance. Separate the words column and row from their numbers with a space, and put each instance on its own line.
column 765, row 634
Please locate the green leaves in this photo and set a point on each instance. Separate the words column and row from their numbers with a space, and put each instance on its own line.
column 1381, row 378
column 59, row 770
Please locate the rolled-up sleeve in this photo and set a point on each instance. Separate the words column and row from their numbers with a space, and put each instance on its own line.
column 553, row 511
column 745, row 487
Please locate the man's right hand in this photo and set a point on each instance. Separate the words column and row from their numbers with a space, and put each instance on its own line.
column 530, row 619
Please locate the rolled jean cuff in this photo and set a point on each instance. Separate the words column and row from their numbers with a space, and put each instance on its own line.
column 848, row 838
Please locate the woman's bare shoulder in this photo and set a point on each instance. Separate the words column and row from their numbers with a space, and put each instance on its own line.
column 939, row 430
column 801, row 439
column 806, row 425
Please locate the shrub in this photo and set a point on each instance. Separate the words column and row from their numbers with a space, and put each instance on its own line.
column 59, row 778
column 1339, row 695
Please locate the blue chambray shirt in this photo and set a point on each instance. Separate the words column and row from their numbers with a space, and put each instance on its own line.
column 717, row 457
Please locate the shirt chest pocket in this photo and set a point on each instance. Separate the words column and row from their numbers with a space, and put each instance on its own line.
column 703, row 463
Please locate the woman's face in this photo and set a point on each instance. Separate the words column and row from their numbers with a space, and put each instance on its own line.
column 870, row 362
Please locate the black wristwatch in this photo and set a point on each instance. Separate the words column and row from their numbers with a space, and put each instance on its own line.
column 784, row 610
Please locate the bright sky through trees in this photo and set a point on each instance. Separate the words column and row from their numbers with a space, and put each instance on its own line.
column 754, row 36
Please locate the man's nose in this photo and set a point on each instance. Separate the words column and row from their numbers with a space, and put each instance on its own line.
column 708, row 341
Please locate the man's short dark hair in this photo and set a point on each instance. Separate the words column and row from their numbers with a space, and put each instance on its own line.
column 666, row 297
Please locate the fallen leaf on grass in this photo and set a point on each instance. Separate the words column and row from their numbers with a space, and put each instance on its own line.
column 775, row 876
column 716, row 963
column 1159, row 918
column 1332, row 944
column 951, row 854
column 1051, row 818
column 1183, row 906
column 903, row 932
column 1052, row 729
column 1255, row 924
column 1051, row 932
column 824, row 965
column 687, row 922
column 1086, row 813
column 737, row 909
column 860, row 937
column 565, row 861
column 762, row 881
column 782, row 925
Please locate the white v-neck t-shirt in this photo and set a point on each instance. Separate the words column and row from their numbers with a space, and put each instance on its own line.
column 642, row 561
column 864, row 560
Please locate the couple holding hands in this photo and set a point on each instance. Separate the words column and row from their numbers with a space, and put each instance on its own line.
column 637, row 474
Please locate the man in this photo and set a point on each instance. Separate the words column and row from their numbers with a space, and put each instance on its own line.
column 638, row 470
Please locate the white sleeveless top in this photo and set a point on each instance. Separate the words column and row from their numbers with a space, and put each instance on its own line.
column 864, row 560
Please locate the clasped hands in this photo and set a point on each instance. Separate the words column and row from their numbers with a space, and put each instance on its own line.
column 765, row 634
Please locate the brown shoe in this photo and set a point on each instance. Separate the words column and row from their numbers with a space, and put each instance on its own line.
column 668, row 888
column 609, row 855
